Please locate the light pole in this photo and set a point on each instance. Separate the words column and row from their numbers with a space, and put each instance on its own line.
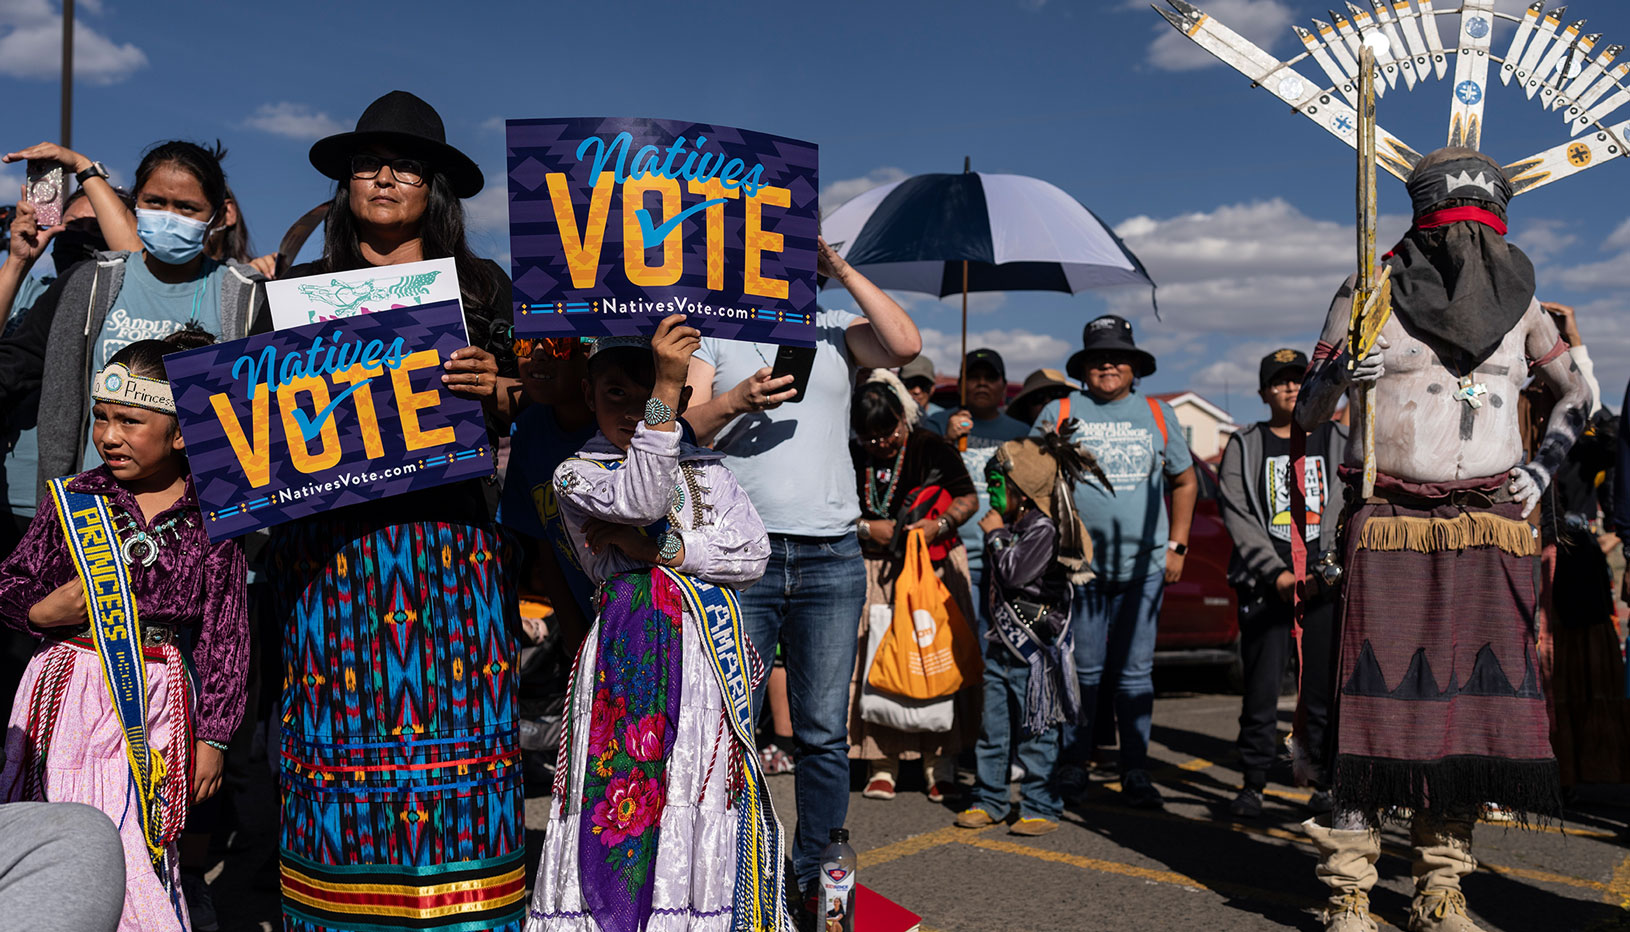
column 67, row 74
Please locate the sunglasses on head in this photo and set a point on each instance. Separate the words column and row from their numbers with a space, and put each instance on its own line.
column 554, row 347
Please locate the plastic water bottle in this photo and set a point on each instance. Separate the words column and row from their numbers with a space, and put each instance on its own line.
column 838, row 863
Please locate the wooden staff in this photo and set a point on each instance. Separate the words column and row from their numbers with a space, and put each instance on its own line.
column 1372, row 299
column 962, row 371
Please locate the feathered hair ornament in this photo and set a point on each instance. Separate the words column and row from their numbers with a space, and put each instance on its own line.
column 892, row 381
column 1047, row 469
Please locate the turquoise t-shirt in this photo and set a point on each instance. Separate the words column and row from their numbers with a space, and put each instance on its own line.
column 983, row 440
column 148, row 309
column 1129, row 524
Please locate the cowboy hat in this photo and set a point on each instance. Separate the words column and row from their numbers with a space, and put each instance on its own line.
column 1039, row 381
column 411, row 127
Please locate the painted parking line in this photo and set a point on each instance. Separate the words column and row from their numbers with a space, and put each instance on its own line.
column 1618, row 890
column 1176, row 773
column 916, row 844
column 1172, row 878
column 1297, row 838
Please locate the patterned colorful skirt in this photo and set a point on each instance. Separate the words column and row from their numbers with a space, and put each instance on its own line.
column 401, row 776
column 1439, row 704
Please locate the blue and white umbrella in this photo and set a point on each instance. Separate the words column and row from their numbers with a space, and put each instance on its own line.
column 945, row 234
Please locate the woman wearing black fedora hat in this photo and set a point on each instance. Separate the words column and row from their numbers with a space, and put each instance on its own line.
column 400, row 757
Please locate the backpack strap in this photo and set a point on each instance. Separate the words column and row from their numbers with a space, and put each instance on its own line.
column 1063, row 414
column 1160, row 420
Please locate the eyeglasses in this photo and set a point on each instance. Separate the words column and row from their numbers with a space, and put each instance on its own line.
column 407, row 171
column 879, row 443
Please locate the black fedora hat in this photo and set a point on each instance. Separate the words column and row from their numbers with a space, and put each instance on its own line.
column 1109, row 334
column 408, row 125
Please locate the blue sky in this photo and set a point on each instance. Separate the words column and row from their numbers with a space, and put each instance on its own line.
column 1240, row 209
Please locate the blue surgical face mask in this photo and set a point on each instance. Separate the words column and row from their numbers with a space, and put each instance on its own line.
column 169, row 237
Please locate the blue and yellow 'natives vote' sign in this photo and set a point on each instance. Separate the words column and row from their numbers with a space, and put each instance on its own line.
column 297, row 421
column 615, row 223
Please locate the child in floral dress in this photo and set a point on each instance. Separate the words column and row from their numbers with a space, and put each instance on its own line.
column 659, row 819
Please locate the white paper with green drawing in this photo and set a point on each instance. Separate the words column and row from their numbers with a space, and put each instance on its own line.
column 297, row 302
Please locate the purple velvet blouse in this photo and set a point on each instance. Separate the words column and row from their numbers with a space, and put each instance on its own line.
column 194, row 584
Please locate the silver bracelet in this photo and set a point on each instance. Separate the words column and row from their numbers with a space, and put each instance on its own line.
column 864, row 528
column 945, row 526
column 217, row 745
column 671, row 543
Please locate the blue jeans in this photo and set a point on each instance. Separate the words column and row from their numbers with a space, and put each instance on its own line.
column 809, row 600
column 1005, row 682
column 1114, row 627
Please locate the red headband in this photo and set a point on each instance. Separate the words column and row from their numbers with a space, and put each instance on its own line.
column 1442, row 218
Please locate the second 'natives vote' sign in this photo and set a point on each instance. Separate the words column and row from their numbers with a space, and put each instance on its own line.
column 615, row 223
column 297, row 421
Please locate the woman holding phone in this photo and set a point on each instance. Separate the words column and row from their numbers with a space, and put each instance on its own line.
column 98, row 308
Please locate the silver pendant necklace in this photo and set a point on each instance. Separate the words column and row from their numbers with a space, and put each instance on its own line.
column 141, row 547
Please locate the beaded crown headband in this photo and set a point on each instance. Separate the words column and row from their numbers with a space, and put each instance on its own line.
column 1559, row 66
column 115, row 385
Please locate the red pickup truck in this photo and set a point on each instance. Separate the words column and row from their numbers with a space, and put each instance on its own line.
column 1199, row 620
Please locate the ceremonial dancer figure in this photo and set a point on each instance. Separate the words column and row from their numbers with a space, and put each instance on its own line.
column 1438, row 705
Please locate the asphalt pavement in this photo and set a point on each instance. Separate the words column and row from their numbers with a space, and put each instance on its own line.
column 1193, row 866
column 1189, row 867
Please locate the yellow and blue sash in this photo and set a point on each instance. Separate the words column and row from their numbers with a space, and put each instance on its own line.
column 760, row 878
column 116, row 629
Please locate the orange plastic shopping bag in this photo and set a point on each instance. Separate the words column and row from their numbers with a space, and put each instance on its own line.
column 929, row 650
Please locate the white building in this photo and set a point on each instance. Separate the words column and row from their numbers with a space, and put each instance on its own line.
column 1205, row 426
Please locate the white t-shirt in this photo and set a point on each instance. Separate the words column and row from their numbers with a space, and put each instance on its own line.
column 793, row 461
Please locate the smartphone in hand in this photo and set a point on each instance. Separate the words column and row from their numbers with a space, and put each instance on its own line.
column 798, row 362
column 47, row 191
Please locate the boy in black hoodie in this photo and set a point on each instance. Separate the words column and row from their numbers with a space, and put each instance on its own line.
column 1256, row 495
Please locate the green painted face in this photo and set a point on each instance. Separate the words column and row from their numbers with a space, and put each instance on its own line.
column 996, row 486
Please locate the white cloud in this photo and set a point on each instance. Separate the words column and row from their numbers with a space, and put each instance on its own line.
column 1544, row 240
column 493, row 124
column 1262, row 21
column 835, row 193
column 1612, row 274
column 488, row 212
column 486, row 220
column 296, row 121
column 1261, row 269
column 1620, row 238
column 31, row 45
column 1022, row 351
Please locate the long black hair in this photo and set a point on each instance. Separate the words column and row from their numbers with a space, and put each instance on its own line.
column 877, row 410
column 441, row 233
column 231, row 242
column 197, row 161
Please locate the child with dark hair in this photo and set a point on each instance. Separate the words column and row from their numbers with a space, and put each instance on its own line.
column 133, row 605
column 1037, row 549
column 660, row 818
